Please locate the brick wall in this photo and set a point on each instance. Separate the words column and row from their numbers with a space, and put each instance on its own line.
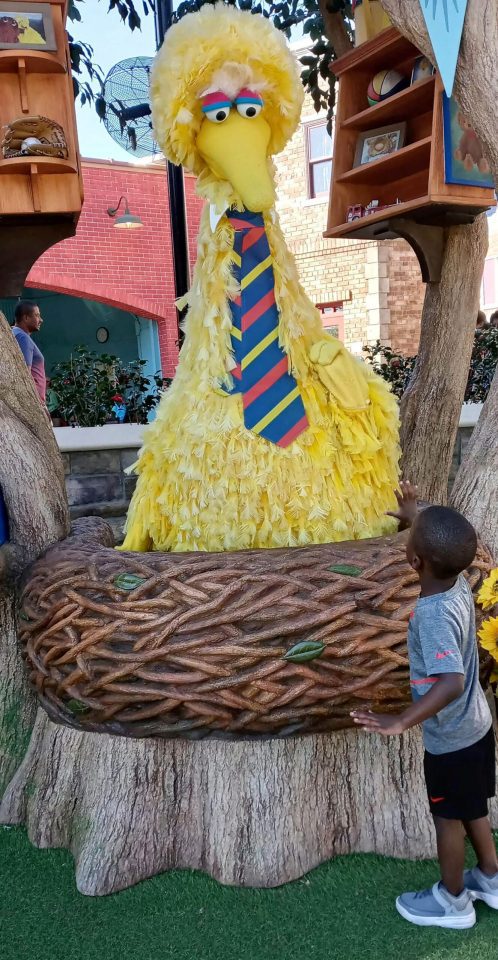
column 129, row 269
column 405, row 297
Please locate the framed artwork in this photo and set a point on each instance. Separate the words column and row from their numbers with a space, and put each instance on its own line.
column 422, row 69
column 464, row 160
column 373, row 144
column 26, row 26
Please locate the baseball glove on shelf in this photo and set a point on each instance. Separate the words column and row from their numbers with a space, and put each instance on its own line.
column 35, row 137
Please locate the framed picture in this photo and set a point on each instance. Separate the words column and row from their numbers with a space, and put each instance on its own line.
column 373, row 144
column 422, row 69
column 464, row 160
column 26, row 26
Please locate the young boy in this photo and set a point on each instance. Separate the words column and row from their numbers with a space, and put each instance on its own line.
column 459, row 762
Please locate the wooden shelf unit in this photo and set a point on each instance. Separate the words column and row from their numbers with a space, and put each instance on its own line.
column 414, row 174
column 40, row 197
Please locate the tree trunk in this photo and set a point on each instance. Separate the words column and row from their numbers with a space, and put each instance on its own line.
column 430, row 409
column 32, row 482
column 250, row 814
column 476, row 487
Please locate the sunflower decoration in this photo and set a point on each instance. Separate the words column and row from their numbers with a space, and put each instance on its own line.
column 488, row 594
column 488, row 635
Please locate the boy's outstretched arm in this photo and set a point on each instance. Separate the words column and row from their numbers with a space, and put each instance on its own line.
column 407, row 504
column 449, row 687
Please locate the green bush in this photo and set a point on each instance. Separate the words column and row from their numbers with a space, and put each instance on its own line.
column 84, row 389
column 397, row 369
column 391, row 366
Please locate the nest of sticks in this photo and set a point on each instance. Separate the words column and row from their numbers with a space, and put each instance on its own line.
column 262, row 643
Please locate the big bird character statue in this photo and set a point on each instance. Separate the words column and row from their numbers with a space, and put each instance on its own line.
column 271, row 434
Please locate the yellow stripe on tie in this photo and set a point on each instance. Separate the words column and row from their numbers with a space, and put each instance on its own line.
column 237, row 259
column 256, row 272
column 236, row 333
column 286, row 402
column 262, row 345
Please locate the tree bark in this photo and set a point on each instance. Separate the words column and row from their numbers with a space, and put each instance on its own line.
column 32, row 483
column 475, row 492
column 430, row 408
column 335, row 29
column 250, row 814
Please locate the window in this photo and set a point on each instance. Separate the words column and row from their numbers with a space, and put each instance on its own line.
column 333, row 318
column 319, row 155
column 489, row 289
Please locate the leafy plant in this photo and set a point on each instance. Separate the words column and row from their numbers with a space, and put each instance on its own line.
column 393, row 367
column 86, row 387
column 397, row 369
column 482, row 365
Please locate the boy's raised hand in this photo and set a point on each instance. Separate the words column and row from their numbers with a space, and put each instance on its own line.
column 407, row 504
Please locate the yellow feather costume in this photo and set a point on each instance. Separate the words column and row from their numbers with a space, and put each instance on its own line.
column 205, row 482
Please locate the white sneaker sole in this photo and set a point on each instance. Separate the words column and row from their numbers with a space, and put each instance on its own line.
column 452, row 922
column 491, row 899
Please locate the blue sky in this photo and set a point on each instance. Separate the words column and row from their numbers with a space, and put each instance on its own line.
column 112, row 41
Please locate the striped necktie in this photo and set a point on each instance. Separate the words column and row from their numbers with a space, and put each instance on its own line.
column 271, row 400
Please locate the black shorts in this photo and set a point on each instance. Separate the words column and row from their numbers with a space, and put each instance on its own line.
column 460, row 783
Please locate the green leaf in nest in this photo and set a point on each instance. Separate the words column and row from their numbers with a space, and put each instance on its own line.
column 128, row 581
column 346, row 570
column 24, row 616
column 304, row 651
column 76, row 706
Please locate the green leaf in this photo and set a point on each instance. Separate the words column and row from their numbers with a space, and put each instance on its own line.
column 304, row 650
column 345, row 569
column 128, row 581
column 77, row 707
column 24, row 616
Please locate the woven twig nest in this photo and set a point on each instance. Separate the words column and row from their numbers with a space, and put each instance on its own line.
column 262, row 643
column 35, row 137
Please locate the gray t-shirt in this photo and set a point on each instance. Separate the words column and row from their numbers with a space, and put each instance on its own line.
column 442, row 639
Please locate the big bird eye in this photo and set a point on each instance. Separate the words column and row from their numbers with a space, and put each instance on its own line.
column 249, row 110
column 218, row 115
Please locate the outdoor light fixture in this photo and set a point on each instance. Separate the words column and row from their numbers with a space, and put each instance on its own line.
column 127, row 221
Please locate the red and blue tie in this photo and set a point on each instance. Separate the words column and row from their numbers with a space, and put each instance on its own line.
column 272, row 403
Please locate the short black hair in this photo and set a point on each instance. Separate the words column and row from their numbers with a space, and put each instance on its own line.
column 24, row 309
column 445, row 540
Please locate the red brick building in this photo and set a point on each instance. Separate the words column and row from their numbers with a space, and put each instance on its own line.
column 131, row 270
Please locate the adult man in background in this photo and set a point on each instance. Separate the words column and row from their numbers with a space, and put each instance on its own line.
column 27, row 321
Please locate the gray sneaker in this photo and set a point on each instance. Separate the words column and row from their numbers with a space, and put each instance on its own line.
column 482, row 887
column 437, row 908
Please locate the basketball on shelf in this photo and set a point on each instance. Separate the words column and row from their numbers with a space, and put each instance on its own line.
column 385, row 84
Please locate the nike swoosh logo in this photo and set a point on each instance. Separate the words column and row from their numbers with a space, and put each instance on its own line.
column 441, row 656
column 437, row 799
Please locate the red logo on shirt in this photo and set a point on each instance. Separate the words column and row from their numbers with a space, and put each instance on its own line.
column 441, row 656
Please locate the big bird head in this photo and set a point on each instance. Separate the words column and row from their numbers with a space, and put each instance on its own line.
column 226, row 97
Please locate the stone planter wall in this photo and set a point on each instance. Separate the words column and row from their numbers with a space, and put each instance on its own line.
column 96, row 478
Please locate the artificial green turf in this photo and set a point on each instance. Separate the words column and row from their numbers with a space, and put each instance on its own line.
column 344, row 910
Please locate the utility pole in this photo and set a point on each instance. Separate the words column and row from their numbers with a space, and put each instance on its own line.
column 163, row 15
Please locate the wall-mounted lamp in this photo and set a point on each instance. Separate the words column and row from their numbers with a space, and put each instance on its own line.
column 127, row 221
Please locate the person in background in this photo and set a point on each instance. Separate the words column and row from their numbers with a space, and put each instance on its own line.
column 493, row 320
column 28, row 320
column 481, row 322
